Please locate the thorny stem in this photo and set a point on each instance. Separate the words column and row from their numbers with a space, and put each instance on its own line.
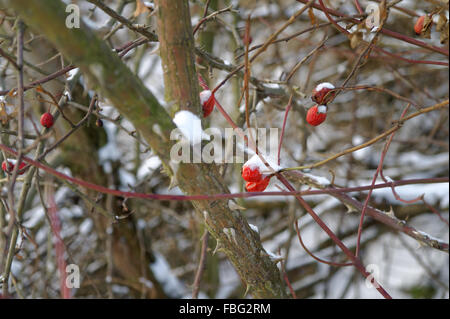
column 212, row 15
column 150, row 35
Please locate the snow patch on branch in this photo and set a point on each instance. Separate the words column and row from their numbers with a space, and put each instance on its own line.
column 254, row 228
column 323, row 181
column 274, row 257
column 190, row 126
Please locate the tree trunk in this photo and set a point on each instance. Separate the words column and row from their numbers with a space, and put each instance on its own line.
column 107, row 74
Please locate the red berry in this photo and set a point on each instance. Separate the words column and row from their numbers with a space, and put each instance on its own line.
column 419, row 25
column 9, row 167
column 208, row 101
column 315, row 115
column 47, row 120
column 257, row 186
column 251, row 174
column 321, row 94
column 21, row 166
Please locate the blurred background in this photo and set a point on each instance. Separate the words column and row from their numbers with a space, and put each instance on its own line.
column 152, row 248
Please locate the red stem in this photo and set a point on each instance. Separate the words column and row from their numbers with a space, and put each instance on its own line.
column 165, row 197
column 385, row 31
column 59, row 245
column 380, row 165
column 288, row 108
column 356, row 261
column 358, row 7
column 327, row 11
column 312, row 255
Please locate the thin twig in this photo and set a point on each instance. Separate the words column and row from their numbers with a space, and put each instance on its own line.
column 373, row 140
column 212, row 15
column 380, row 165
column 9, row 58
column 201, row 265
column 388, row 32
column 312, row 255
column 21, row 106
column 288, row 107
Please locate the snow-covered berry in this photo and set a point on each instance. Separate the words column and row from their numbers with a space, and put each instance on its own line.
column 322, row 93
column 258, row 186
column 251, row 174
column 47, row 120
column 255, row 170
column 316, row 115
column 208, row 101
column 8, row 167
column 257, row 174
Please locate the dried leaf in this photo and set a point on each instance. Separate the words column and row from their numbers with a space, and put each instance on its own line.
column 444, row 34
column 426, row 29
column 12, row 93
column 312, row 17
column 3, row 114
column 440, row 26
column 355, row 39
column 383, row 12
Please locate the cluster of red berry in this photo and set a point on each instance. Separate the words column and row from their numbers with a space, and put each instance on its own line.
column 322, row 94
column 8, row 167
column 256, row 181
